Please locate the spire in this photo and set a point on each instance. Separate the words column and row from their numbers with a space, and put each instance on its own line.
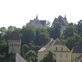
column 65, row 17
column 37, row 16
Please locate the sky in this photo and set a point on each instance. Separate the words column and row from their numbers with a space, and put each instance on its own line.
column 19, row 12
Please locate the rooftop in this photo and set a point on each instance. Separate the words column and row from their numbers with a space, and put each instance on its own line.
column 77, row 49
column 51, row 43
column 14, row 36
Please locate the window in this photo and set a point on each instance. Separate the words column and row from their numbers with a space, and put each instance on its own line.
column 61, row 48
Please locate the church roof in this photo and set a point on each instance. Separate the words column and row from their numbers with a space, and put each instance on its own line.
column 77, row 49
column 43, row 22
column 51, row 43
column 63, row 21
column 14, row 36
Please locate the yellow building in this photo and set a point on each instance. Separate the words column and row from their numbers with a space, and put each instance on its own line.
column 76, row 52
column 60, row 52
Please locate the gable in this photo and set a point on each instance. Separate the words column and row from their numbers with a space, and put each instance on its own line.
column 54, row 45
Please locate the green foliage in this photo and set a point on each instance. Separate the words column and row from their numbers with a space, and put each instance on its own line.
column 72, row 41
column 48, row 58
column 31, row 56
column 3, row 50
column 29, row 52
column 42, row 36
column 71, row 37
column 34, row 38
column 28, row 34
column 69, row 31
column 80, row 27
column 55, row 30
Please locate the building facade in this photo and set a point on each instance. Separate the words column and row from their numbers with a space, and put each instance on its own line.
column 14, row 44
column 60, row 52
column 76, row 53
column 38, row 23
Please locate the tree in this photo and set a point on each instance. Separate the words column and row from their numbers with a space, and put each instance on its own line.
column 69, row 31
column 42, row 36
column 2, row 32
column 55, row 30
column 28, row 34
column 31, row 56
column 80, row 27
column 48, row 58
column 72, row 41
column 3, row 50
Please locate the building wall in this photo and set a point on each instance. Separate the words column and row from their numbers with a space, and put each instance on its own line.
column 19, row 58
column 61, row 55
column 36, row 24
column 75, row 55
column 14, row 46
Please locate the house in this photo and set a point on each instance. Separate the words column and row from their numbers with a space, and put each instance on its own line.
column 76, row 53
column 60, row 51
column 38, row 23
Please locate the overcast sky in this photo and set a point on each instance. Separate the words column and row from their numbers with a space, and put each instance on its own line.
column 19, row 12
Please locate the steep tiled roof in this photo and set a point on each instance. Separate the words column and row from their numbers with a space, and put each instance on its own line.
column 14, row 36
column 63, row 21
column 77, row 49
column 43, row 22
column 50, row 44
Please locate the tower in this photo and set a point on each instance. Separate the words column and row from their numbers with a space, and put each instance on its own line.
column 65, row 17
column 14, row 43
column 37, row 16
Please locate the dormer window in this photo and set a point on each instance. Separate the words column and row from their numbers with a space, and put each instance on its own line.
column 61, row 48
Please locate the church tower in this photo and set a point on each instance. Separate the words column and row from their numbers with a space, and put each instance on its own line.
column 14, row 43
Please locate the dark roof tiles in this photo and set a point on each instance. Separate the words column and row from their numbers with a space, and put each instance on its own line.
column 77, row 49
